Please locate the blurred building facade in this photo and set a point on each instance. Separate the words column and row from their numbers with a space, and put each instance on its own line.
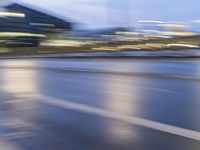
column 23, row 25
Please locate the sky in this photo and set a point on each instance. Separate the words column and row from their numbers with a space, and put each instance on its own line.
column 100, row 13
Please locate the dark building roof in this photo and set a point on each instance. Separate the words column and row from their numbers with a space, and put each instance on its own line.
column 23, row 26
column 11, row 24
column 34, row 20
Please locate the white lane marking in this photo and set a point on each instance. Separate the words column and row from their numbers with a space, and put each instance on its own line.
column 185, row 77
column 161, row 90
column 195, row 135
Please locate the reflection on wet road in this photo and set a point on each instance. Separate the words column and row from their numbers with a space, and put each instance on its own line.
column 99, row 104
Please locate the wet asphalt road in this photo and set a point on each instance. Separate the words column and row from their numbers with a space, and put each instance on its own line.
column 88, row 104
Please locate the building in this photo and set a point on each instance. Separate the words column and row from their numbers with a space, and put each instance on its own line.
column 21, row 25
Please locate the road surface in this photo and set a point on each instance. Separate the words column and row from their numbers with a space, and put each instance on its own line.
column 102, row 104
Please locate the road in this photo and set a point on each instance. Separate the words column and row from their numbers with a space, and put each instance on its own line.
column 95, row 104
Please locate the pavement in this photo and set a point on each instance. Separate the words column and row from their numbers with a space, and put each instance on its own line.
column 95, row 104
column 145, row 54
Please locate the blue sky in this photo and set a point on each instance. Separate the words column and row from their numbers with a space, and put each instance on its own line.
column 99, row 13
